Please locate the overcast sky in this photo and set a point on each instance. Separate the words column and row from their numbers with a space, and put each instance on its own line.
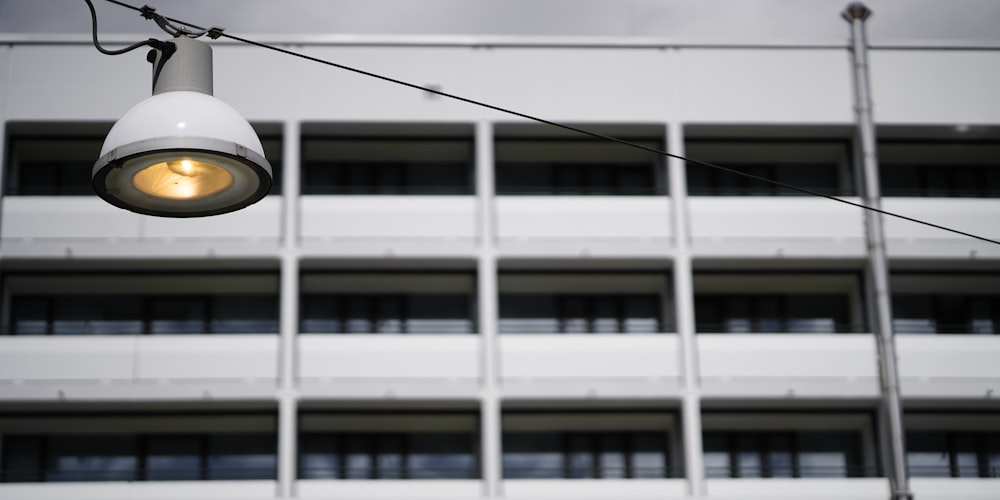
column 962, row 22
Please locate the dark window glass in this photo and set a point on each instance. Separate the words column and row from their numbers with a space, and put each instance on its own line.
column 244, row 314
column 52, row 166
column 22, row 459
column 174, row 458
column 30, row 315
column 441, row 456
column 358, row 463
column 946, row 313
column 446, row 313
column 386, row 166
column 96, row 315
column 953, row 454
column 177, row 315
column 242, row 456
column 614, row 179
column 585, row 455
column 814, row 313
column 319, row 457
column 91, row 458
column 389, row 457
column 783, row 454
column 571, row 313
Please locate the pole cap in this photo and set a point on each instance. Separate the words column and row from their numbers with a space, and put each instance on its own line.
column 856, row 11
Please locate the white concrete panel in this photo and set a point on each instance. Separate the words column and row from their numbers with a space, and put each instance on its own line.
column 387, row 488
column 583, row 225
column 207, row 357
column 774, row 227
column 87, row 225
column 788, row 365
column 935, row 86
column 66, row 358
column 906, row 239
column 152, row 490
column 949, row 366
column 826, row 489
column 394, row 225
column 595, row 488
column 765, row 85
column 966, row 488
column 367, row 357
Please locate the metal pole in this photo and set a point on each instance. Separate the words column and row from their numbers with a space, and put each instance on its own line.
column 856, row 14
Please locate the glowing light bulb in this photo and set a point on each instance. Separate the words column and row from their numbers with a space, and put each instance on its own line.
column 183, row 179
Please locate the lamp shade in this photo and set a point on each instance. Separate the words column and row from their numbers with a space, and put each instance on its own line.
column 182, row 154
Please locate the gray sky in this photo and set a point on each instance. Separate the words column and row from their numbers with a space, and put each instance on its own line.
column 794, row 22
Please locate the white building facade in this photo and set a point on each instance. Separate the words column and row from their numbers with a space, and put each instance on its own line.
column 438, row 300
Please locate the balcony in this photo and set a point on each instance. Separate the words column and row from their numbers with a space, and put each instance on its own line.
column 812, row 488
column 788, row 365
column 595, row 488
column 86, row 226
column 580, row 365
column 388, row 365
column 192, row 490
column 56, row 368
column 734, row 226
column 389, row 488
column 383, row 226
column 949, row 366
column 584, row 226
column 905, row 239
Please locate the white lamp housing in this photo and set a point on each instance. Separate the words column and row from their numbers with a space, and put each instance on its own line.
column 182, row 152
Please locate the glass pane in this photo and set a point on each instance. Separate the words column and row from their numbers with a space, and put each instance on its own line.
column 389, row 457
column 439, row 314
column 913, row 313
column 635, row 180
column 716, row 455
column 612, row 458
column 708, row 313
column 22, row 459
column 927, row 454
column 767, row 312
column 173, row 458
column 570, row 179
column 318, row 457
column 829, row 454
column 321, row 314
column 649, row 456
column 993, row 455
column 178, row 315
column 606, row 314
column 358, row 457
column 532, row 455
column 96, row 315
column 966, row 456
column 737, row 315
column 983, row 315
column 528, row 314
column 779, row 455
column 29, row 315
column 245, row 314
column 242, row 456
column 388, row 314
column 574, row 313
column 748, row 456
column 357, row 314
column 91, row 458
column 642, row 314
column 821, row 313
column 523, row 178
column 581, row 456
column 440, row 178
column 442, row 456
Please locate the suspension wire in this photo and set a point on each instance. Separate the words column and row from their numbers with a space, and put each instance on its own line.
column 152, row 42
column 563, row 126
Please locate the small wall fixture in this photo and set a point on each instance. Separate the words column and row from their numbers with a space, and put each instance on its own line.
column 181, row 152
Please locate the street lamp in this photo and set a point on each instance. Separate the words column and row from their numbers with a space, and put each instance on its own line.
column 182, row 152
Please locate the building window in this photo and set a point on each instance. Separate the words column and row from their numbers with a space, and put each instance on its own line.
column 536, row 166
column 580, row 313
column 424, row 455
column 940, row 168
column 383, row 313
column 746, row 454
column 821, row 166
column 953, row 454
column 43, row 164
column 142, row 457
column 135, row 314
column 946, row 313
column 773, row 313
column 579, row 455
column 387, row 166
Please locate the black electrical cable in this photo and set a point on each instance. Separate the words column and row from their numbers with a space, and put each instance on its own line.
column 563, row 126
column 152, row 42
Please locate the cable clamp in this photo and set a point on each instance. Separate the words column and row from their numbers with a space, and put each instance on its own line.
column 215, row 32
column 148, row 12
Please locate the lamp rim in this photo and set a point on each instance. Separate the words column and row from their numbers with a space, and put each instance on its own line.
column 117, row 157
